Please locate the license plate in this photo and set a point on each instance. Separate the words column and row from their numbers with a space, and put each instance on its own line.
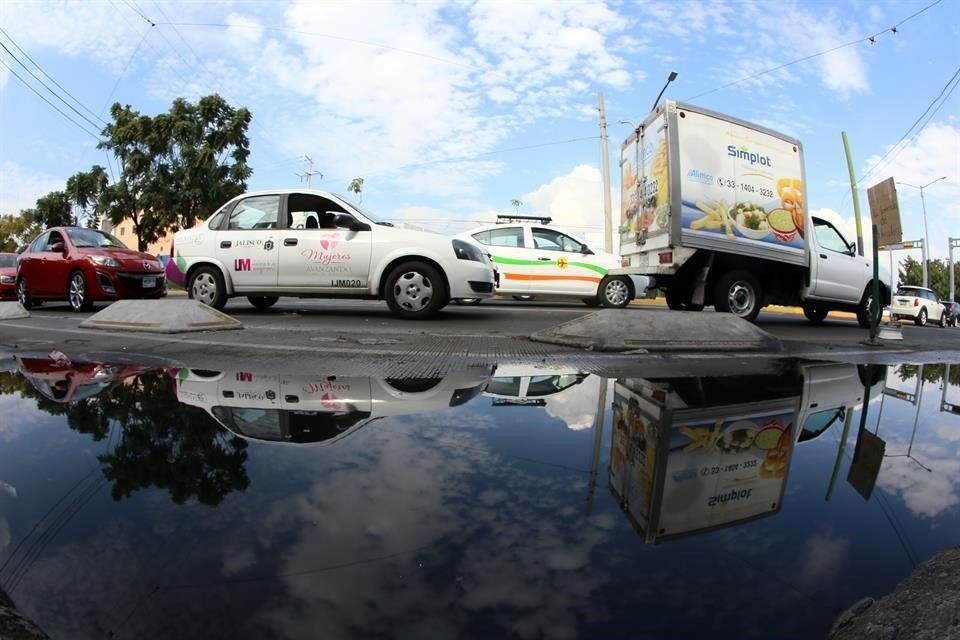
column 903, row 302
column 149, row 283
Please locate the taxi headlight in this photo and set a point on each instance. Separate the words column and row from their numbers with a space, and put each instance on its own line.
column 467, row 251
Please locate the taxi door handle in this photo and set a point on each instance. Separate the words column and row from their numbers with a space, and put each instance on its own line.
column 823, row 256
column 225, row 244
column 545, row 259
column 289, row 242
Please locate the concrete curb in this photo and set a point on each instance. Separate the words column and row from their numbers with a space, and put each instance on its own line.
column 613, row 330
column 13, row 311
column 161, row 316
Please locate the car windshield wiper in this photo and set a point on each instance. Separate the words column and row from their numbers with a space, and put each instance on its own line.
column 384, row 223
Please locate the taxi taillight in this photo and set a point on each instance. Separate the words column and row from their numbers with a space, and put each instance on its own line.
column 916, row 302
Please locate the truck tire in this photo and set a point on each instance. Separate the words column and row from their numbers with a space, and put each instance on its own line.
column 677, row 301
column 206, row 285
column 865, row 308
column 739, row 293
column 616, row 292
column 415, row 291
column 816, row 313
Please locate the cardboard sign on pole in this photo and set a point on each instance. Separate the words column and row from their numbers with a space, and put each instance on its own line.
column 885, row 211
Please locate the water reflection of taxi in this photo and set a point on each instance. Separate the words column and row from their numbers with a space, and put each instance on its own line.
column 301, row 409
column 690, row 455
column 76, row 380
column 523, row 386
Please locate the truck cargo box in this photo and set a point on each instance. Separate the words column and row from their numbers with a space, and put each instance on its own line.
column 696, row 179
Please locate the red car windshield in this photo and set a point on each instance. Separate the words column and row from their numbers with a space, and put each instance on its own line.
column 93, row 238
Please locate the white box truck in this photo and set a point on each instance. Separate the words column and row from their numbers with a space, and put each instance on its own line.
column 714, row 209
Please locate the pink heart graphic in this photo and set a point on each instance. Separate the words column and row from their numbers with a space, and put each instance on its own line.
column 329, row 401
column 329, row 242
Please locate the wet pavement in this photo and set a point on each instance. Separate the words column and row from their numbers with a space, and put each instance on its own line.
column 144, row 501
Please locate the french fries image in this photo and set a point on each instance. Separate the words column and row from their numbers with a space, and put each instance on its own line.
column 717, row 216
column 702, row 437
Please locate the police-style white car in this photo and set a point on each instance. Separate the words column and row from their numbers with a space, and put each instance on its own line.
column 537, row 260
column 306, row 243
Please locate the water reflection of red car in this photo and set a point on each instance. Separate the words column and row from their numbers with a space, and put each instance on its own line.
column 8, row 276
column 83, row 266
column 76, row 381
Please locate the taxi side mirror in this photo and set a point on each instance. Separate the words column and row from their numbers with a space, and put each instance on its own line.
column 57, row 247
column 347, row 221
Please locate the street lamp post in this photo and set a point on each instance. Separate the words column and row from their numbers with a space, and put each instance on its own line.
column 670, row 78
column 926, row 235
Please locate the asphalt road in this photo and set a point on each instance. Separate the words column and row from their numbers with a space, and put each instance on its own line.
column 335, row 319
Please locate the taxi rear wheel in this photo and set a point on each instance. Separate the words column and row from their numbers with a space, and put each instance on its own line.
column 206, row 286
column 262, row 303
column 415, row 290
column 615, row 292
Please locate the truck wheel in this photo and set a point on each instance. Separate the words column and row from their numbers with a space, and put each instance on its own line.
column 262, row 303
column 815, row 313
column 415, row 291
column 739, row 293
column 922, row 318
column 206, row 285
column 865, row 310
column 615, row 292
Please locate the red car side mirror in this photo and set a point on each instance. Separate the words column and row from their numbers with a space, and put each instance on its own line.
column 57, row 247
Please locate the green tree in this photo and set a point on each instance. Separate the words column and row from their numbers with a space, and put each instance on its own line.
column 176, row 167
column 16, row 232
column 356, row 186
column 911, row 274
column 84, row 189
column 52, row 210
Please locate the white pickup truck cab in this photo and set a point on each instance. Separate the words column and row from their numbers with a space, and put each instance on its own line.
column 304, row 243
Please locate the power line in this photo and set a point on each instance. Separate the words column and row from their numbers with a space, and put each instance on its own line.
column 140, row 13
column 52, row 92
column 124, row 71
column 48, row 76
column 871, row 39
column 945, row 95
column 41, row 96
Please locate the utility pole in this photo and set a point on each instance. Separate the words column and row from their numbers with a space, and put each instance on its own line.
column 926, row 236
column 605, row 162
column 856, row 197
column 310, row 172
column 954, row 243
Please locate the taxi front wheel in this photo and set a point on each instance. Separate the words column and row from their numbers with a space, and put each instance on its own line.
column 415, row 290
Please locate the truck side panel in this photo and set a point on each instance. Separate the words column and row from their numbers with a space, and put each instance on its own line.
column 646, row 198
column 741, row 189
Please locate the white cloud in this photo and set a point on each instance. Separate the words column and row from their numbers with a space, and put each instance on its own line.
column 573, row 200
column 19, row 188
column 244, row 30
column 576, row 405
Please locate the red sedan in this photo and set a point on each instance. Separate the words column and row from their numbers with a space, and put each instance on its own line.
column 83, row 266
column 8, row 276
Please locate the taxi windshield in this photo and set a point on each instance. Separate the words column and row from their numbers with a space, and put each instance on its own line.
column 366, row 212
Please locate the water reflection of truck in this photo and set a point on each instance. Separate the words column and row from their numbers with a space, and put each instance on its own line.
column 690, row 455
column 714, row 210
column 527, row 386
column 303, row 409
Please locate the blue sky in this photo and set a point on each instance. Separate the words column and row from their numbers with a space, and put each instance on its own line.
column 422, row 99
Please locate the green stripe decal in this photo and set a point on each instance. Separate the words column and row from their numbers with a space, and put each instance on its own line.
column 543, row 263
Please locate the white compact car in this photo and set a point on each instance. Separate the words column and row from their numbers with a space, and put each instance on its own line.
column 318, row 409
column 918, row 304
column 307, row 243
column 540, row 260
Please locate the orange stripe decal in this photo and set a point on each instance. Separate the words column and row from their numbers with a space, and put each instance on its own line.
column 524, row 276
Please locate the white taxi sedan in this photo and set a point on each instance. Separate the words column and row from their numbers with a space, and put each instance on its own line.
column 305, row 243
column 540, row 260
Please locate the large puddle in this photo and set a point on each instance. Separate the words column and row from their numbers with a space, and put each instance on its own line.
column 140, row 502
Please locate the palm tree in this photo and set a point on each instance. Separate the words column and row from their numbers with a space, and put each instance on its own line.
column 356, row 186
